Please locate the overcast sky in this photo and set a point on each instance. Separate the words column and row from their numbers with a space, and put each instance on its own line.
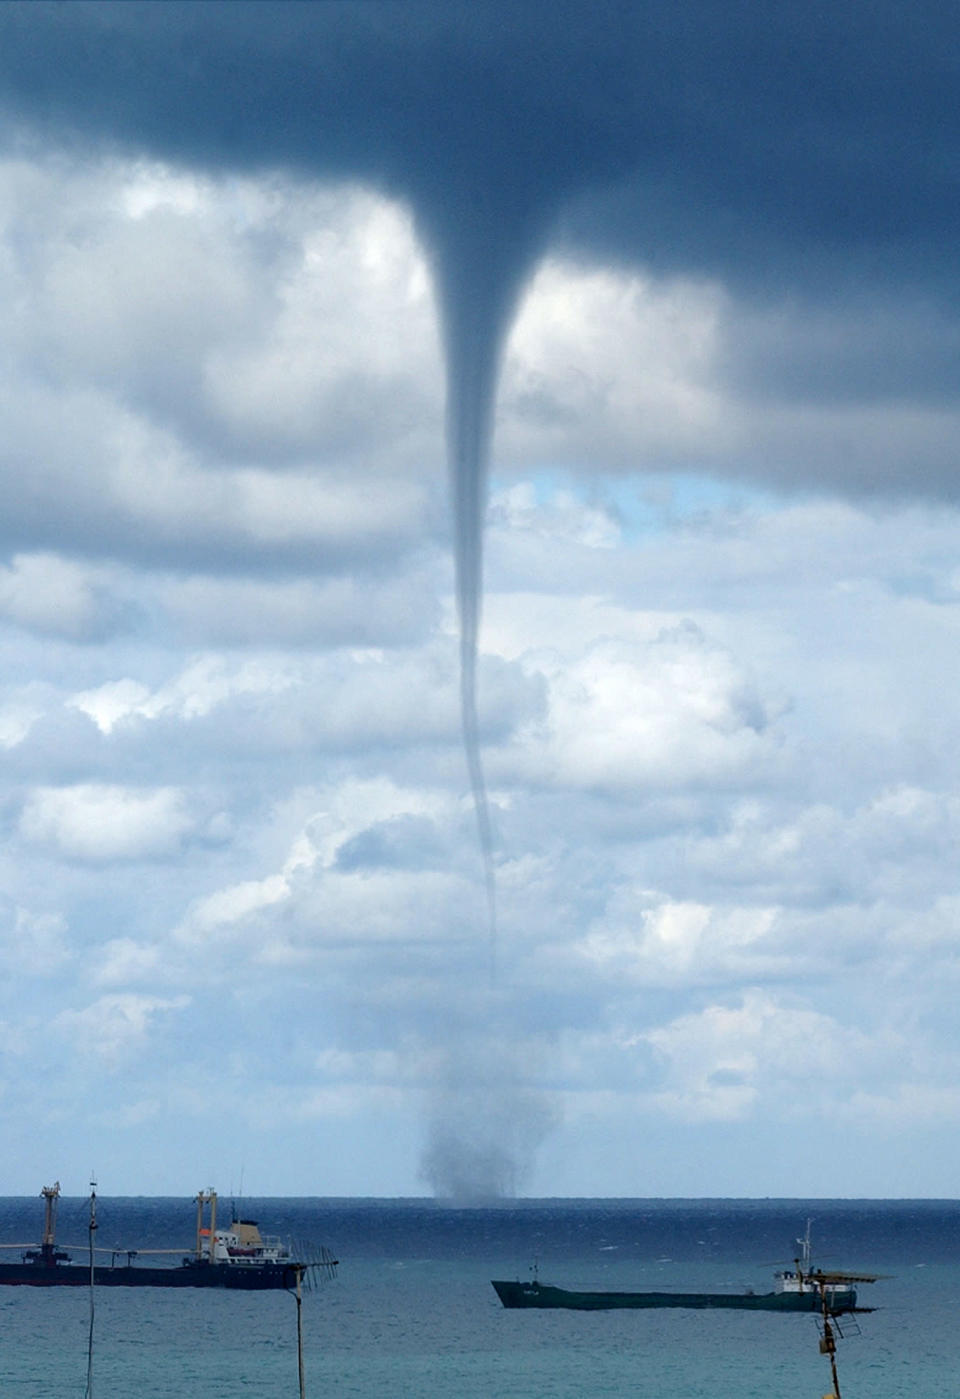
column 243, row 925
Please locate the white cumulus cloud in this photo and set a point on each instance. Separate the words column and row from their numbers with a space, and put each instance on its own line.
column 101, row 822
column 117, row 1025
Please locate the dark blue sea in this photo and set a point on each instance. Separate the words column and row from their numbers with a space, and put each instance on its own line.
column 411, row 1312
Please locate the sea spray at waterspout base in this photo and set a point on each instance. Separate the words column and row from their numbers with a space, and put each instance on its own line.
column 488, row 1116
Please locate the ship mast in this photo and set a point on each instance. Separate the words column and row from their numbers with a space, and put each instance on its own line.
column 50, row 1194
column 806, row 1247
column 206, row 1197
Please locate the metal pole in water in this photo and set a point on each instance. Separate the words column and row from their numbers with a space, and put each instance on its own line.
column 92, row 1230
column 299, row 1295
column 828, row 1342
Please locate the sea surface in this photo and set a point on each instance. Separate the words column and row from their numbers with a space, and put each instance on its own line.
column 411, row 1313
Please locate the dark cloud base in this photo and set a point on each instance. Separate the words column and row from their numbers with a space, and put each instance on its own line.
column 795, row 153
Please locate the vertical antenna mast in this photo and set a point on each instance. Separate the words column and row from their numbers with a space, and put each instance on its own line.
column 828, row 1342
column 92, row 1229
column 299, row 1296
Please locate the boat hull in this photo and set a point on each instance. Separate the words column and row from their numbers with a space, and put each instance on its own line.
column 252, row 1278
column 537, row 1294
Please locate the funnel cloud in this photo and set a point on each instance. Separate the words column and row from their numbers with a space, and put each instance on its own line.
column 482, row 248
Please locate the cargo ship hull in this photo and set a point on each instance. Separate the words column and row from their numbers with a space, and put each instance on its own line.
column 537, row 1294
column 249, row 1279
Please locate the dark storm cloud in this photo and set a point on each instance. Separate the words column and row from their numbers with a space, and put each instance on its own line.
column 808, row 156
column 802, row 131
column 810, row 150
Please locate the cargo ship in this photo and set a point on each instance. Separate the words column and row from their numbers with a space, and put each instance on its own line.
column 236, row 1257
column 801, row 1289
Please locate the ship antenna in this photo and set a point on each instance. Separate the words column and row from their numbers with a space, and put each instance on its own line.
column 92, row 1229
column 806, row 1246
